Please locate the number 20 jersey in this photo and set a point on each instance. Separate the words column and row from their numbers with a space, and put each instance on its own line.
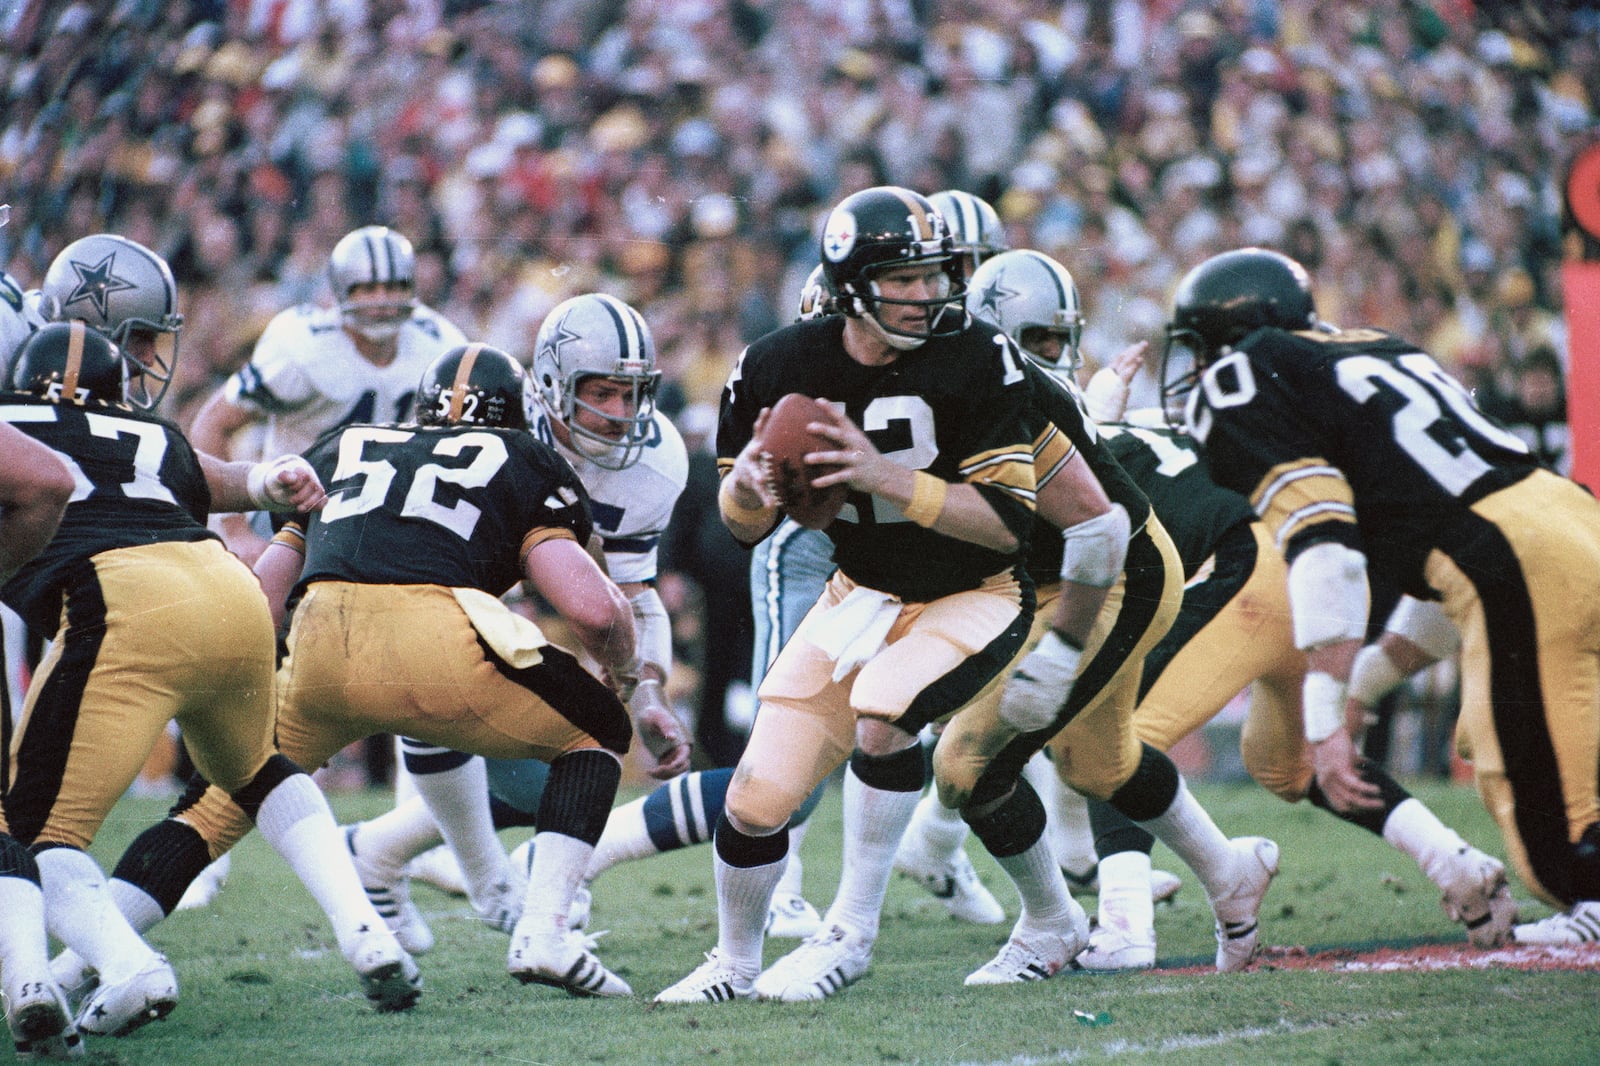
column 459, row 506
column 1318, row 429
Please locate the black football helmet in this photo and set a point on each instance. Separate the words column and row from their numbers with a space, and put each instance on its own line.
column 474, row 385
column 884, row 227
column 67, row 362
column 1221, row 301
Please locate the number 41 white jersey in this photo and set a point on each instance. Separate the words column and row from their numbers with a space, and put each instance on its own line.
column 307, row 376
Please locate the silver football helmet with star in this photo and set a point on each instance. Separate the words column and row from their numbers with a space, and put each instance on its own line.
column 1026, row 294
column 125, row 291
column 595, row 335
column 373, row 255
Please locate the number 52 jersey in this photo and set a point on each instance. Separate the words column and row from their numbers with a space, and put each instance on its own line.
column 457, row 506
column 1319, row 428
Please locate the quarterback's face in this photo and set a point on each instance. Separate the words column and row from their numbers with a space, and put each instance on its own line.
column 914, row 281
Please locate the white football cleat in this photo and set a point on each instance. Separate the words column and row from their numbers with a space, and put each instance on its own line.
column 120, row 1008
column 565, row 963
column 1238, row 910
column 713, row 981
column 204, row 888
column 41, row 1023
column 1034, row 954
column 389, row 976
column 503, row 909
column 390, row 896
column 790, row 917
column 1476, row 895
column 1111, row 948
column 1164, row 884
column 1580, row 925
column 953, row 881
column 820, row 967
column 74, row 977
column 438, row 867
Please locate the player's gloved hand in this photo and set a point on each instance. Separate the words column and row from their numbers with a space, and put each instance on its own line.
column 664, row 735
column 1039, row 686
column 285, row 484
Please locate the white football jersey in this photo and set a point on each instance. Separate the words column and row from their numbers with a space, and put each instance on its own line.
column 19, row 316
column 307, row 377
column 631, row 507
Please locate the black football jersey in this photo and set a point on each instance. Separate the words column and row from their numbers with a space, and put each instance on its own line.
column 955, row 407
column 452, row 506
column 138, row 482
column 1320, row 429
column 1059, row 417
column 1172, row 471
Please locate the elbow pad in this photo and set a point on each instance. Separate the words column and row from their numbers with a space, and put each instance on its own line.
column 652, row 631
column 1328, row 595
column 1093, row 551
column 1425, row 624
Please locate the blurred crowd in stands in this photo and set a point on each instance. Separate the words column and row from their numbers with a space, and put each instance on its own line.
column 680, row 154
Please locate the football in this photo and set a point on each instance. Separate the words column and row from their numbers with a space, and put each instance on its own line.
column 786, row 439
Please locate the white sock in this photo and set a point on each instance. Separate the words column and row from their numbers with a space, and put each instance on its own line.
column 937, row 829
column 874, row 821
column 296, row 821
column 558, row 865
column 1046, row 903
column 744, row 894
column 624, row 839
column 24, row 948
column 136, row 905
column 1417, row 831
column 397, row 836
column 1187, row 829
column 404, row 788
column 1125, row 902
column 458, row 799
column 1068, row 830
column 794, row 873
column 83, row 916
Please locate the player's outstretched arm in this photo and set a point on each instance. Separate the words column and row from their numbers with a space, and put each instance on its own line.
column 34, row 490
column 591, row 604
column 286, row 485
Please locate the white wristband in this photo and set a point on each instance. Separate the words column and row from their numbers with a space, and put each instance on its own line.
column 255, row 485
column 1373, row 676
column 1322, row 705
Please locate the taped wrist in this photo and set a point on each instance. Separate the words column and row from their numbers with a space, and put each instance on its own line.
column 1093, row 551
column 652, row 631
column 927, row 498
column 736, row 512
column 1322, row 699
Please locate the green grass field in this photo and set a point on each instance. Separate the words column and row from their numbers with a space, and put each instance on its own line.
column 262, row 983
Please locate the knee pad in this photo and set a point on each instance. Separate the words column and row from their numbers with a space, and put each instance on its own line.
column 900, row 772
column 16, row 860
column 1014, row 826
column 744, row 851
column 577, row 797
column 1151, row 789
column 276, row 770
column 163, row 860
column 1115, row 832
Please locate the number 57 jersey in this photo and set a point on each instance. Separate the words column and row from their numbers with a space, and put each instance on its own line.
column 458, row 506
column 1317, row 429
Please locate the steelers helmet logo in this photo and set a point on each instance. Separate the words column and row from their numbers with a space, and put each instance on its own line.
column 839, row 236
column 96, row 283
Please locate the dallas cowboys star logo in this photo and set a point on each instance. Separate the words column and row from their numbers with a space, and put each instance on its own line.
column 991, row 297
column 561, row 336
column 96, row 284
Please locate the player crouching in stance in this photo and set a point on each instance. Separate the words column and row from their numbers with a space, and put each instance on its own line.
column 153, row 620
column 396, row 626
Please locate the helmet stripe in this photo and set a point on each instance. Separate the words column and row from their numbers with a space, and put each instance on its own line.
column 919, row 217
column 971, row 226
column 69, row 375
column 388, row 253
column 630, row 335
column 372, row 255
column 1054, row 272
column 458, row 387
